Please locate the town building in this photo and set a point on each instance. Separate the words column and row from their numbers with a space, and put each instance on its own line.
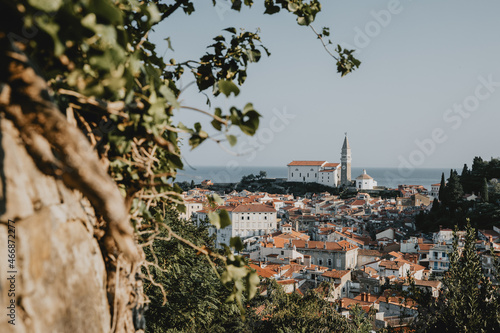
column 323, row 172
column 365, row 182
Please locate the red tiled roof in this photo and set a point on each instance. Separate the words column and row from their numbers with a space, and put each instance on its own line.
column 331, row 165
column 307, row 163
column 262, row 272
column 254, row 208
column 335, row 274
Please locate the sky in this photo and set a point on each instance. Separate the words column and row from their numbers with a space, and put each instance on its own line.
column 426, row 95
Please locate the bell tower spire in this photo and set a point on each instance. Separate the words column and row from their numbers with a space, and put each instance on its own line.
column 345, row 160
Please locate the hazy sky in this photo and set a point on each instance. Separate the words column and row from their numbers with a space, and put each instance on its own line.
column 427, row 93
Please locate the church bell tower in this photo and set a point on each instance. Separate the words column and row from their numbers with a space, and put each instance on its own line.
column 345, row 160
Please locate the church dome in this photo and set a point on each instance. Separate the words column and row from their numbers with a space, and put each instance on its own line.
column 364, row 175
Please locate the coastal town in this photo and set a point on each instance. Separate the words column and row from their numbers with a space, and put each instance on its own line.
column 367, row 247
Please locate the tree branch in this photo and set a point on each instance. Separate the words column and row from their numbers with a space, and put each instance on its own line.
column 27, row 103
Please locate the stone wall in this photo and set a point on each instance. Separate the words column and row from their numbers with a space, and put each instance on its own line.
column 60, row 284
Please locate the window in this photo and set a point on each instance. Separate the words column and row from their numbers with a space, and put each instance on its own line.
column 315, row 175
column 339, row 263
column 265, row 217
column 320, row 262
column 292, row 174
column 282, row 253
column 435, row 255
column 248, row 217
column 312, row 169
column 308, row 174
column 329, row 262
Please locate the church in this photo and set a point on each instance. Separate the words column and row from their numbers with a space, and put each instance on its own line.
column 323, row 172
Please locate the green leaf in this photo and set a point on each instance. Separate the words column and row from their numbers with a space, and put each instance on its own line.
column 253, row 283
column 227, row 87
column 46, row 5
column 236, row 243
column 224, row 218
column 170, row 96
column 231, row 30
column 231, row 139
column 217, row 199
column 214, row 219
column 292, row 6
column 153, row 13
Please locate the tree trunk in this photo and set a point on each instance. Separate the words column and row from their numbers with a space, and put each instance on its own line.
column 60, row 281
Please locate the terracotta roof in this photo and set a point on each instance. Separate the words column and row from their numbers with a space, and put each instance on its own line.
column 335, row 246
column 335, row 274
column 262, row 272
column 373, row 253
column 331, row 165
column 254, row 208
column 307, row 163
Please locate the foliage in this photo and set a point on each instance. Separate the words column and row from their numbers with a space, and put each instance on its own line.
column 104, row 73
column 468, row 302
column 194, row 293
column 281, row 312
column 454, row 210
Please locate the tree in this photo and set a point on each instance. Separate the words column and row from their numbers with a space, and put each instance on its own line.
column 453, row 191
column 195, row 296
column 295, row 313
column 484, row 191
column 262, row 174
column 192, row 184
column 468, row 301
column 442, row 189
column 94, row 105
column 465, row 171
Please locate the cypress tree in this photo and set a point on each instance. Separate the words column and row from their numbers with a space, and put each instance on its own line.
column 442, row 189
column 486, row 197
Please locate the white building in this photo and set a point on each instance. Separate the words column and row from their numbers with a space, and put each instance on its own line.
column 192, row 206
column 246, row 221
column 365, row 182
column 435, row 191
column 322, row 172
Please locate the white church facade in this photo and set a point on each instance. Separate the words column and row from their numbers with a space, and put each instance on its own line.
column 365, row 182
column 320, row 172
column 323, row 172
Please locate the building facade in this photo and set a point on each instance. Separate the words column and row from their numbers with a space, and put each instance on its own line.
column 323, row 172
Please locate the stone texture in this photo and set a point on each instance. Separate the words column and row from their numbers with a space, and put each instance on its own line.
column 61, row 276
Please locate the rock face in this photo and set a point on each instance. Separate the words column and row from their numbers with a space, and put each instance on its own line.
column 60, row 279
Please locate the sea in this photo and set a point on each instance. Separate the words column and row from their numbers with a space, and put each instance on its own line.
column 388, row 177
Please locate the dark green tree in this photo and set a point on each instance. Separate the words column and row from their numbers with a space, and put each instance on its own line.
column 465, row 171
column 484, row 192
column 281, row 312
column 468, row 301
column 192, row 184
column 442, row 189
column 453, row 191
